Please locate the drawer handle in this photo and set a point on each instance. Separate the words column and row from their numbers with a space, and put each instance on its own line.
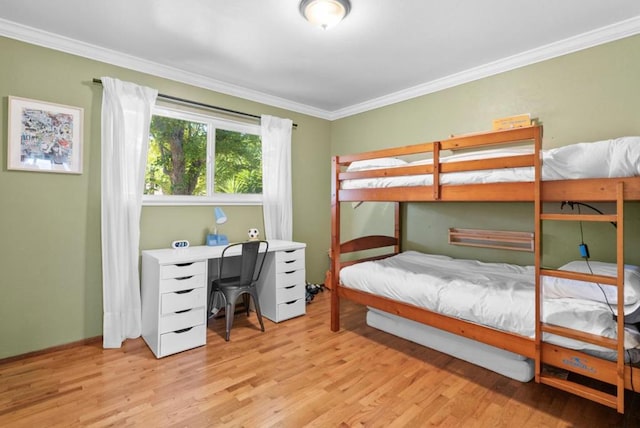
column 290, row 261
column 290, row 272
column 184, row 291
column 290, row 287
column 182, row 311
column 182, row 278
column 184, row 264
column 184, row 330
column 291, row 302
column 290, row 251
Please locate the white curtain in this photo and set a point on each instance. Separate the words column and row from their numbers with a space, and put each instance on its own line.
column 276, row 177
column 126, row 115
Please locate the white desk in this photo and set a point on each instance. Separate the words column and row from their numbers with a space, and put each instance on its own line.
column 175, row 291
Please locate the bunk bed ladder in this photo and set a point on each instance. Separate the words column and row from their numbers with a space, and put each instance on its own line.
column 570, row 360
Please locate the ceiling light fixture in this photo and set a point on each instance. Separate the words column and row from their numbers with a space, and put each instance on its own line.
column 324, row 13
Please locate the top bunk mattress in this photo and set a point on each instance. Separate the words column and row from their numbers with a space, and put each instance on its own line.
column 497, row 295
column 618, row 157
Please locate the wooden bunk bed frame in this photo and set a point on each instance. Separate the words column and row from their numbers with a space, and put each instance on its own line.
column 616, row 190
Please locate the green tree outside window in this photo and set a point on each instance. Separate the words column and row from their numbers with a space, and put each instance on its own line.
column 177, row 159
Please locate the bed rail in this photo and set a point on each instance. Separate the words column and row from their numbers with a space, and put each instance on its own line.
column 519, row 191
column 367, row 243
column 500, row 339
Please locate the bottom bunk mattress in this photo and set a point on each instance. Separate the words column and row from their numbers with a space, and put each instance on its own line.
column 498, row 360
column 496, row 295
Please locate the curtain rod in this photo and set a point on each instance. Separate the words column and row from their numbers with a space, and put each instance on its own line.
column 203, row 105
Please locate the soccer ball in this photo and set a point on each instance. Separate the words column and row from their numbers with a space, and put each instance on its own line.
column 253, row 234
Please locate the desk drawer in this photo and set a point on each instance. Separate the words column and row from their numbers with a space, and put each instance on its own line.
column 181, row 340
column 291, row 309
column 182, row 320
column 182, row 270
column 289, row 255
column 289, row 264
column 287, row 279
column 179, row 301
column 292, row 292
column 182, row 283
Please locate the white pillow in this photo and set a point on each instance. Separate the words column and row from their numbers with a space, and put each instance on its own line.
column 618, row 157
column 475, row 155
column 560, row 287
column 428, row 161
column 375, row 163
column 488, row 154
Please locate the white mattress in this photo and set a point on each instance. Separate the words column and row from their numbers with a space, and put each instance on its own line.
column 497, row 295
column 602, row 159
column 498, row 360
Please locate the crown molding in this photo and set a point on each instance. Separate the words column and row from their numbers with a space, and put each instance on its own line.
column 586, row 40
column 582, row 41
column 65, row 44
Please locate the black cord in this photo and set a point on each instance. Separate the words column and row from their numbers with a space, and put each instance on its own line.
column 582, row 233
column 602, row 290
column 615, row 317
column 572, row 203
column 630, row 371
column 627, row 351
column 586, row 258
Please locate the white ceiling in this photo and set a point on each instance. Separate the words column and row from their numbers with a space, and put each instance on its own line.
column 263, row 50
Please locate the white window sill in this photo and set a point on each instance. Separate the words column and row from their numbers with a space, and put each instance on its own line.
column 201, row 200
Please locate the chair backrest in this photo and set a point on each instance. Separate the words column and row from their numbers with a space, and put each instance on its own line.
column 246, row 269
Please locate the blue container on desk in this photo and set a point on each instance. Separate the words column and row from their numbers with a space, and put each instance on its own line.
column 214, row 240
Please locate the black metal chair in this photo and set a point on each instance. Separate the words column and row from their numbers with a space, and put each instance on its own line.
column 238, row 279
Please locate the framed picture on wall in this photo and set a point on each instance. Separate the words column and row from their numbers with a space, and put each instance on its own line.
column 44, row 137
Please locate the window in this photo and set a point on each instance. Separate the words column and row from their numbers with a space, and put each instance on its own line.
column 198, row 159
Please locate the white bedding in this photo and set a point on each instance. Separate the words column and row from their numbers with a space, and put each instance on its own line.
column 618, row 157
column 497, row 295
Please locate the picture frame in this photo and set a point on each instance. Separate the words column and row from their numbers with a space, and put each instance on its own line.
column 44, row 136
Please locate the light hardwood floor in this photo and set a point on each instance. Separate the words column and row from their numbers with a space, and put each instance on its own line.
column 297, row 373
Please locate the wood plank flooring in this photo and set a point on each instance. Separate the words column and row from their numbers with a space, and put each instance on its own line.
column 297, row 373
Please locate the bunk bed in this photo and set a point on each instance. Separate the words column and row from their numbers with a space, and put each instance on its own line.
column 448, row 170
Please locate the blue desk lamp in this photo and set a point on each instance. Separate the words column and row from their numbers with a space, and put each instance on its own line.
column 214, row 239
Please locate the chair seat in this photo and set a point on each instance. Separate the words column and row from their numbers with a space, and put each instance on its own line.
column 228, row 282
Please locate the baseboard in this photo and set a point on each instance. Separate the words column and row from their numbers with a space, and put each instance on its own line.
column 88, row 341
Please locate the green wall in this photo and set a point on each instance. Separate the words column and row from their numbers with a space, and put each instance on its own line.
column 585, row 96
column 50, row 223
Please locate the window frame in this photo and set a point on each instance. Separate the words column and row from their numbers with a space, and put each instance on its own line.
column 212, row 198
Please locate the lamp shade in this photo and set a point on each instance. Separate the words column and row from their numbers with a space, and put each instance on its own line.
column 221, row 217
column 324, row 13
